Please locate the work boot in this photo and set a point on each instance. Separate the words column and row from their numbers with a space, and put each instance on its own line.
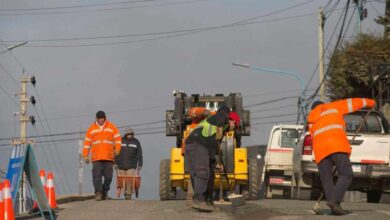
column 98, row 196
column 336, row 208
column 202, row 206
column 104, row 195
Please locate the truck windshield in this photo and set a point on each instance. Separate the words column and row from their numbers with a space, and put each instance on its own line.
column 372, row 125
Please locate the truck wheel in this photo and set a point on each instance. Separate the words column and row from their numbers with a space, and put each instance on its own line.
column 254, row 180
column 166, row 192
column 373, row 196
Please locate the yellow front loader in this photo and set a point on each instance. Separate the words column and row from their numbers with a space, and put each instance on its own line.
column 242, row 174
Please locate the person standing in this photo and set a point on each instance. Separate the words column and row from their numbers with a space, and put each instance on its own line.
column 331, row 146
column 129, row 161
column 201, row 147
column 103, row 140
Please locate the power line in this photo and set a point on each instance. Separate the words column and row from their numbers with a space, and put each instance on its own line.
column 109, row 112
column 107, row 9
column 326, row 49
column 274, row 122
column 75, row 6
column 275, row 108
column 272, row 116
column 377, row 11
column 335, row 49
column 182, row 32
column 270, row 101
column 83, row 132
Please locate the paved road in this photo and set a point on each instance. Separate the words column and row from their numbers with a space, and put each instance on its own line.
column 172, row 210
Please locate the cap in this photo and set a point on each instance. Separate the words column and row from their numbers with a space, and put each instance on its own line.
column 224, row 109
column 100, row 114
column 316, row 103
column 129, row 131
column 235, row 117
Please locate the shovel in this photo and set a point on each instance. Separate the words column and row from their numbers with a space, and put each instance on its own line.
column 316, row 207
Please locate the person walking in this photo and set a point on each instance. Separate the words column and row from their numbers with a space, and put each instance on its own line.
column 129, row 161
column 103, row 140
column 331, row 146
column 200, row 151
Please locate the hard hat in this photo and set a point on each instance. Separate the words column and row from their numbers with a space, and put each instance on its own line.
column 100, row 114
column 129, row 131
column 235, row 117
column 316, row 103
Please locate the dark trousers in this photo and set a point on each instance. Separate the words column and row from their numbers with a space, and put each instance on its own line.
column 197, row 158
column 100, row 169
column 335, row 192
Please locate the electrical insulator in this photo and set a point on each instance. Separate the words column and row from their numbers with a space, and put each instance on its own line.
column 33, row 81
column 32, row 99
column 32, row 119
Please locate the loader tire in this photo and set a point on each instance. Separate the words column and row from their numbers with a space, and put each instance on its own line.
column 165, row 180
column 253, row 180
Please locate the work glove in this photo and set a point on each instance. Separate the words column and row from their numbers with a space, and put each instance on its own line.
column 219, row 167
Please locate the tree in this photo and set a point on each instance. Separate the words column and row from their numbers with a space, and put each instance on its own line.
column 385, row 21
column 349, row 74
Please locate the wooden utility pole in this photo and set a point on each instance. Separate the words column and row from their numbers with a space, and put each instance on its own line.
column 321, row 23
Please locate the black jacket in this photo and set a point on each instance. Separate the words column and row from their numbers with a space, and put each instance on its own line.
column 130, row 155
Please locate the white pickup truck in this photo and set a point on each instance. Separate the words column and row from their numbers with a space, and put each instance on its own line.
column 370, row 159
column 277, row 169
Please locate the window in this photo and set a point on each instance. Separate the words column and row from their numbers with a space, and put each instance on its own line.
column 289, row 142
column 372, row 125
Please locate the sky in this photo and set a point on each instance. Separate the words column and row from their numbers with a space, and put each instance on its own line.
column 117, row 56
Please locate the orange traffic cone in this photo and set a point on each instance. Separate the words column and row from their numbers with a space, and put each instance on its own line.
column 8, row 207
column 1, row 202
column 51, row 194
column 43, row 181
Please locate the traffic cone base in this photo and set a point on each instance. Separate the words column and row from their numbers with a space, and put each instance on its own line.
column 1, row 202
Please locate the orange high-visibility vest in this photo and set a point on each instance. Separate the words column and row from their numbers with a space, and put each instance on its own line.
column 186, row 133
column 327, row 126
column 103, row 142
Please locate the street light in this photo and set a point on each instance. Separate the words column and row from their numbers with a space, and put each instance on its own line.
column 13, row 47
column 301, row 99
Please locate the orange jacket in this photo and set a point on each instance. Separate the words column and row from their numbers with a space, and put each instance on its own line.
column 103, row 142
column 327, row 126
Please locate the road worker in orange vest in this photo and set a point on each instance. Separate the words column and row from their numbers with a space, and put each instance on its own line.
column 103, row 140
column 331, row 146
column 197, row 114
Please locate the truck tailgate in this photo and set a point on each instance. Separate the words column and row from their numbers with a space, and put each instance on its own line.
column 370, row 149
column 280, row 156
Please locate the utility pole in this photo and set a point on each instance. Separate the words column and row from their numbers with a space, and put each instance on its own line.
column 321, row 24
column 22, row 141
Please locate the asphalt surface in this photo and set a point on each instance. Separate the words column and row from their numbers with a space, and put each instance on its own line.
column 261, row 209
